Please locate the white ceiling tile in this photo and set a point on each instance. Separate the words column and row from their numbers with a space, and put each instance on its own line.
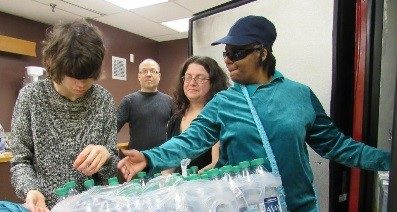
column 71, row 8
column 136, row 24
column 98, row 5
column 36, row 11
column 174, row 36
column 142, row 21
column 163, row 12
column 199, row 5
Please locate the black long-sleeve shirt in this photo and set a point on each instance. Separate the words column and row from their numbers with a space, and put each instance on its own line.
column 147, row 114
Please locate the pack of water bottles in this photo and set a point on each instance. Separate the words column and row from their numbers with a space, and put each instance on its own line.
column 246, row 187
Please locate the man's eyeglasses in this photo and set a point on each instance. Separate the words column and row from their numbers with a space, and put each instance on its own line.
column 238, row 54
column 151, row 71
column 197, row 79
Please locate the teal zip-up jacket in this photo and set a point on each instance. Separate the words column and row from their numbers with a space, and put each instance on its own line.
column 292, row 117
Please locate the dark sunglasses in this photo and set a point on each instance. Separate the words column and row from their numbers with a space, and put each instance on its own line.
column 238, row 54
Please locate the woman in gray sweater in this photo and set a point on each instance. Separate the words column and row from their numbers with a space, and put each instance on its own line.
column 64, row 127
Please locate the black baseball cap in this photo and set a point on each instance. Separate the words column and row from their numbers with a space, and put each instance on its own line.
column 248, row 30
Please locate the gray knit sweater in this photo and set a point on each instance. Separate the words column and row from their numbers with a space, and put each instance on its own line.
column 49, row 131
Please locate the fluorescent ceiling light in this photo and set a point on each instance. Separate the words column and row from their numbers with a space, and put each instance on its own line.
column 180, row 25
column 133, row 4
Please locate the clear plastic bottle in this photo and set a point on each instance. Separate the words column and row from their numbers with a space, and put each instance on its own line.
column 213, row 174
column 193, row 177
column 62, row 193
column 133, row 188
column 90, row 187
column 236, row 172
column 173, row 180
column 193, row 170
column 252, row 194
column 204, row 176
column 229, row 177
column 88, row 184
column 176, row 174
column 271, row 200
column 257, row 166
column 113, row 181
column 71, row 186
column 136, row 181
column 221, row 173
column 141, row 176
column 245, row 169
column 227, row 173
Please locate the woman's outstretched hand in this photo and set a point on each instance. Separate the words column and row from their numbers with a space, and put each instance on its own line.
column 133, row 163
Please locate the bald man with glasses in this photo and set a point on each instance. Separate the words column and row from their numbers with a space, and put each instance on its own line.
column 147, row 111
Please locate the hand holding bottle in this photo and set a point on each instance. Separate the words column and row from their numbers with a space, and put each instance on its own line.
column 133, row 163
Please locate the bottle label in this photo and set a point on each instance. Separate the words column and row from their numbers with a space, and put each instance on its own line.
column 271, row 204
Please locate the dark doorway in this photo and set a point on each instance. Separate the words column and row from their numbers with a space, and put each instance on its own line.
column 342, row 96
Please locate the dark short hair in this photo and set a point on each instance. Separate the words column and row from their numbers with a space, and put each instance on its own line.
column 73, row 49
column 218, row 78
column 269, row 63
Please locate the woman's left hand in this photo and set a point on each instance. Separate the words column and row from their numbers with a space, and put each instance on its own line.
column 91, row 159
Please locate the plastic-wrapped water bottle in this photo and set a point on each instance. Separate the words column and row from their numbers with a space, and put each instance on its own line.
column 236, row 171
column 252, row 195
column 62, row 193
column 90, row 187
column 271, row 201
column 163, row 181
column 268, row 183
column 88, row 184
column 257, row 166
column 204, row 176
column 193, row 170
column 245, row 169
column 192, row 177
column 213, row 174
column 141, row 176
column 113, row 181
column 227, row 173
column 137, row 181
column 71, row 186
column 227, row 176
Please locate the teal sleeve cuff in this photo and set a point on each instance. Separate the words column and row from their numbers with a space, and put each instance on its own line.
column 150, row 168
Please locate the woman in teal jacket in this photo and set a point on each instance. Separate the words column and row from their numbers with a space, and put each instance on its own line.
column 290, row 113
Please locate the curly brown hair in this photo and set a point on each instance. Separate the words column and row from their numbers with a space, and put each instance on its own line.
column 218, row 79
column 73, row 49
